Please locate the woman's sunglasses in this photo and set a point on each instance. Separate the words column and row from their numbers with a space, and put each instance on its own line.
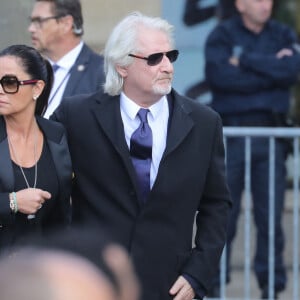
column 155, row 58
column 10, row 84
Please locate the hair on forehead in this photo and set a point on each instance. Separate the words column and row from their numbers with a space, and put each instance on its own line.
column 135, row 20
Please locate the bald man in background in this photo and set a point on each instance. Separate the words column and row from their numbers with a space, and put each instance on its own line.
column 33, row 274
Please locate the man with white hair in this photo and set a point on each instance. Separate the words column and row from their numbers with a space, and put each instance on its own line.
column 147, row 160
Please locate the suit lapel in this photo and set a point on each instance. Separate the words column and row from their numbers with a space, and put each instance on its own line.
column 180, row 123
column 77, row 71
column 6, row 170
column 108, row 115
column 57, row 145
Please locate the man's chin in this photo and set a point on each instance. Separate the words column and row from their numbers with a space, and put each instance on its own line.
column 162, row 90
column 35, row 45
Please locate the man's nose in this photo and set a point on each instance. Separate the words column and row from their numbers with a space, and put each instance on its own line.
column 31, row 27
column 166, row 65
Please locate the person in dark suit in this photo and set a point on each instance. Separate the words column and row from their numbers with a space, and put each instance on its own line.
column 196, row 13
column 56, row 28
column 252, row 62
column 147, row 194
column 35, row 164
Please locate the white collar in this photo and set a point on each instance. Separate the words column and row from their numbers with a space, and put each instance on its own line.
column 68, row 60
column 130, row 108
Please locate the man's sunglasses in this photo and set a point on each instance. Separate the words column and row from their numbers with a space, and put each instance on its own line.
column 10, row 84
column 155, row 58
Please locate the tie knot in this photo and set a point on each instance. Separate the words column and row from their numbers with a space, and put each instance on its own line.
column 142, row 113
column 55, row 67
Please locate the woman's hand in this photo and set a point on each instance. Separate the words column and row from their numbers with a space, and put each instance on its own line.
column 30, row 200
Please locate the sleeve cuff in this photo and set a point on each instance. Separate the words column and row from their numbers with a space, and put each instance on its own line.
column 199, row 291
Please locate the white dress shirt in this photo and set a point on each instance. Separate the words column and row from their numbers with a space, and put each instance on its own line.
column 61, row 77
column 158, row 121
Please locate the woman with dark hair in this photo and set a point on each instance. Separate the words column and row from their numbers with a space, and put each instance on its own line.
column 35, row 164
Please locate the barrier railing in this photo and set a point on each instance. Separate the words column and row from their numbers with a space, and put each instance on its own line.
column 272, row 134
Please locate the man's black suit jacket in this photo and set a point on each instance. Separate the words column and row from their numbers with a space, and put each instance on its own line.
column 190, row 180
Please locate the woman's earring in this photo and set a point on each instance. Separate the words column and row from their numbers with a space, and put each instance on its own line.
column 35, row 97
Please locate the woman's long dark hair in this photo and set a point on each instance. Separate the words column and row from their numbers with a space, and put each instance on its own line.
column 37, row 68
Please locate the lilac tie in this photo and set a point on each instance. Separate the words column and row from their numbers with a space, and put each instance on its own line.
column 141, row 153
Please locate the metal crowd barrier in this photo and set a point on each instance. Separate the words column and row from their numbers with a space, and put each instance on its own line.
column 272, row 134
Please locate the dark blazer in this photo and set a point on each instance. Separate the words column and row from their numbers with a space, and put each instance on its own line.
column 190, row 179
column 56, row 211
column 87, row 74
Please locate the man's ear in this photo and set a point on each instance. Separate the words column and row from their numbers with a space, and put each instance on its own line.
column 67, row 22
column 122, row 70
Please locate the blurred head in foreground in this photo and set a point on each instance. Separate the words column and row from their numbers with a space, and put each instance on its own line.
column 36, row 274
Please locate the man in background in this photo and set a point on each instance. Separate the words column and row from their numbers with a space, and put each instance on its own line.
column 56, row 28
column 251, row 63
column 195, row 13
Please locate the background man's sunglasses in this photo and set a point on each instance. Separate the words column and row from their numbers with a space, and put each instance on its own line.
column 10, row 84
column 155, row 58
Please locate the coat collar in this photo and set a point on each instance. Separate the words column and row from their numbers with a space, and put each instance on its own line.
column 77, row 69
column 2, row 129
column 107, row 112
column 49, row 128
column 6, row 171
column 180, row 122
column 54, row 135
